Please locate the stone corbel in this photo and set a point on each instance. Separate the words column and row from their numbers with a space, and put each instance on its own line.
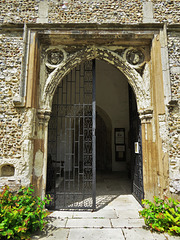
column 43, row 115
column 146, row 115
column 18, row 101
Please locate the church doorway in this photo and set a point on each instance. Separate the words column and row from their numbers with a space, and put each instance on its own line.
column 94, row 131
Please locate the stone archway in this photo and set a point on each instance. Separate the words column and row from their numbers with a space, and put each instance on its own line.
column 136, row 81
column 69, row 62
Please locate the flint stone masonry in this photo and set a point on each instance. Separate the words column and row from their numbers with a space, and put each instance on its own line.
column 97, row 11
column 18, row 11
column 11, row 119
column 100, row 11
column 166, row 10
column 174, row 116
column 13, row 129
column 19, row 127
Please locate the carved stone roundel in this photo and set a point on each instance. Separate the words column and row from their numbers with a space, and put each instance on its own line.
column 55, row 57
column 134, row 57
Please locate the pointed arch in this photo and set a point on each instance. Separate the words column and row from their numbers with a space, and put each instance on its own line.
column 134, row 78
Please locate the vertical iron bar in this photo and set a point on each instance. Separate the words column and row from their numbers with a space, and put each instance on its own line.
column 79, row 130
column 79, row 84
column 74, row 86
column 74, row 146
column 65, row 162
column 61, row 136
column 56, row 145
column 94, row 133
column 83, row 133
column 71, row 90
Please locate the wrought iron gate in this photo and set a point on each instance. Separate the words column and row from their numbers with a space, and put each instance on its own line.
column 71, row 173
column 136, row 157
column 138, row 190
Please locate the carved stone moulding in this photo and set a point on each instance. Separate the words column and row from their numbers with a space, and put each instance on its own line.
column 146, row 115
column 134, row 56
column 43, row 115
column 54, row 57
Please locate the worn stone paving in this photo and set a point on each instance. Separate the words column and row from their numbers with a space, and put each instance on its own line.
column 118, row 220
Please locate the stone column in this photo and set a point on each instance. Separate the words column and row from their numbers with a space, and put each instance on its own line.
column 148, row 152
column 155, row 168
column 40, row 152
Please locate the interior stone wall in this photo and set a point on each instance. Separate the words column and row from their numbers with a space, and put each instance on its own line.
column 112, row 96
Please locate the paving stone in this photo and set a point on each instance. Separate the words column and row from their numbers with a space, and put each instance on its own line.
column 123, row 203
column 59, row 223
column 103, row 200
column 102, row 213
column 62, row 214
column 120, row 222
column 168, row 237
column 128, row 213
column 159, row 236
column 60, row 234
column 93, row 223
column 125, row 199
column 96, row 234
column 143, row 234
column 137, row 234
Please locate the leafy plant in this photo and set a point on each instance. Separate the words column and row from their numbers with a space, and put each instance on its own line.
column 21, row 214
column 163, row 215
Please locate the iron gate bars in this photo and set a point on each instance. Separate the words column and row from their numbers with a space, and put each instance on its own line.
column 71, row 169
column 136, row 158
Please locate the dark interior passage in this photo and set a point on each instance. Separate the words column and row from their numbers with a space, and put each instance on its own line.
column 103, row 142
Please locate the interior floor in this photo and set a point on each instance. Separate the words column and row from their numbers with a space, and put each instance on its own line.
column 110, row 185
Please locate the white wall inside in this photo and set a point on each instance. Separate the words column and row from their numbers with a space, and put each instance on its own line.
column 112, row 96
